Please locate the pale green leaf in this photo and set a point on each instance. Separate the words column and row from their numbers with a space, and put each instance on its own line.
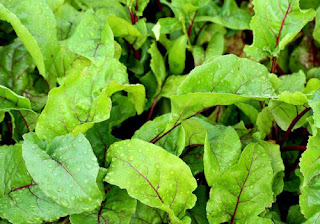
column 11, row 101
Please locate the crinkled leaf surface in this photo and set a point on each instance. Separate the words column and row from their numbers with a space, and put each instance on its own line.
column 116, row 208
column 152, row 175
column 66, row 170
column 274, row 25
column 37, row 32
column 21, row 200
column 244, row 190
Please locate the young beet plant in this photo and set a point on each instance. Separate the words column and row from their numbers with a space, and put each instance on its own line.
column 181, row 111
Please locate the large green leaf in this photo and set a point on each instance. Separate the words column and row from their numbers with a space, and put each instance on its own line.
column 21, row 200
column 221, row 151
column 15, row 63
column 153, row 176
column 36, row 31
column 274, row 25
column 244, row 190
column 66, row 170
column 310, row 168
column 116, row 208
column 229, row 74
column 71, row 109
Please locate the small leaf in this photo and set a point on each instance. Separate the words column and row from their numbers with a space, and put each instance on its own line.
column 177, row 55
column 153, row 176
column 70, row 164
column 11, row 101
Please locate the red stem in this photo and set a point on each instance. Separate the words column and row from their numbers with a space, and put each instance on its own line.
column 198, row 34
column 294, row 148
column 293, row 123
column 191, row 25
column 218, row 113
column 159, row 5
column 274, row 59
column 157, row 138
column 152, row 107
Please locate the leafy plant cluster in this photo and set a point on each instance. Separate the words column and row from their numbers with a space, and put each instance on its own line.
column 159, row 111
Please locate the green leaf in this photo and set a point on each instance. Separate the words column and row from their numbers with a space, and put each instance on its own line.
column 68, row 19
column 264, row 121
column 15, row 62
column 100, row 135
column 145, row 214
column 230, row 15
column 55, row 4
column 73, row 110
column 244, row 190
column 313, row 220
column 229, row 74
column 198, row 212
column 92, row 39
column 314, row 102
column 310, row 168
column 117, row 208
column 215, row 46
column 294, row 215
column 294, row 82
column 123, row 28
column 316, row 32
column 166, row 26
column 157, row 64
column 274, row 25
column 259, row 220
column 153, row 176
column 37, row 32
column 222, row 150
column 274, row 154
column 249, row 110
column 174, row 142
column 284, row 114
column 177, row 55
column 23, row 121
column 70, row 164
column 11, row 101
column 21, row 200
